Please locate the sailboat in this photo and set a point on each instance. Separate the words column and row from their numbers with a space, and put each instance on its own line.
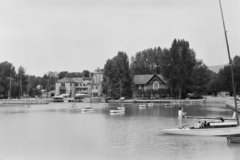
column 229, row 129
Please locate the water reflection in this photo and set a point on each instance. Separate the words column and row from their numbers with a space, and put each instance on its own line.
column 31, row 133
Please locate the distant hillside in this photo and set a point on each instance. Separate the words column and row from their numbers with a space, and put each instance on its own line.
column 216, row 68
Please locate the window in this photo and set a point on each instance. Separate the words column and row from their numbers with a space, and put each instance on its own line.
column 63, row 84
column 96, row 87
column 155, row 85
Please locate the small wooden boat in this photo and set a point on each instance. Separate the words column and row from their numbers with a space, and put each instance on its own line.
column 169, row 105
column 72, row 105
column 88, row 109
column 121, row 108
column 27, row 106
column 150, row 104
column 118, row 110
column 142, row 106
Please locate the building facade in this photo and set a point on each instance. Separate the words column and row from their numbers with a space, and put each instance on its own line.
column 72, row 86
column 91, row 86
column 97, row 79
column 149, row 86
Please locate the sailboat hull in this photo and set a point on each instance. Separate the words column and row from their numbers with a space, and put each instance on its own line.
column 226, row 131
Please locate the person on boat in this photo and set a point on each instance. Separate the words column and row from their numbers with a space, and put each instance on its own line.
column 181, row 115
column 199, row 124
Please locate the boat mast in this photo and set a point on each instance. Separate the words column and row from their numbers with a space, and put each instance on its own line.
column 230, row 61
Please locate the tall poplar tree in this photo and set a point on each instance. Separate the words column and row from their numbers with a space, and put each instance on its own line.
column 117, row 79
column 177, row 65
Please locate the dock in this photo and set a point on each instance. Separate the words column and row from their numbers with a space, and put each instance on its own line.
column 207, row 99
column 23, row 101
column 170, row 101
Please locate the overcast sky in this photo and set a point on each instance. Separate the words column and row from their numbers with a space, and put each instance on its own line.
column 77, row 35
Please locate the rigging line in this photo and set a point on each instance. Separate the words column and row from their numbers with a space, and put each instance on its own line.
column 204, row 26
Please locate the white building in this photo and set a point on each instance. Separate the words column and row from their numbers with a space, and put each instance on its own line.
column 73, row 86
column 97, row 79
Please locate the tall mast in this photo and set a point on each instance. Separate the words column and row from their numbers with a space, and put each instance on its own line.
column 230, row 61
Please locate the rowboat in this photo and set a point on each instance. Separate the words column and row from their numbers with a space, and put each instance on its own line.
column 87, row 109
column 72, row 105
column 27, row 106
column 169, row 105
column 150, row 104
column 118, row 110
column 142, row 106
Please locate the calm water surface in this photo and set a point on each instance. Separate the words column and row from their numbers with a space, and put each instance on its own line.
column 58, row 131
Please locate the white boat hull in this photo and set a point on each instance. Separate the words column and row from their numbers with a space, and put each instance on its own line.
column 86, row 109
column 117, row 110
column 150, row 104
column 226, row 131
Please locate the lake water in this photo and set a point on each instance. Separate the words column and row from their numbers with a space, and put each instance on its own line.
column 58, row 131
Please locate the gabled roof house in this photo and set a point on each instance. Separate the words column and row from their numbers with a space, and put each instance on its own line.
column 149, row 85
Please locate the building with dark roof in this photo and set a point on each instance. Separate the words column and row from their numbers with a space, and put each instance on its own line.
column 151, row 86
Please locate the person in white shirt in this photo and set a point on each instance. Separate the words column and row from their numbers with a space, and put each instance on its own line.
column 181, row 115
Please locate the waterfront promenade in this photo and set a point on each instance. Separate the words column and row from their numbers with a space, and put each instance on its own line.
column 208, row 99
column 24, row 101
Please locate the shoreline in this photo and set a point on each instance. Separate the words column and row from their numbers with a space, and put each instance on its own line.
column 218, row 100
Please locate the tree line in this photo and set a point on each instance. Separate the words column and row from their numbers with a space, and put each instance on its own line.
column 221, row 81
column 178, row 65
column 16, row 83
column 183, row 72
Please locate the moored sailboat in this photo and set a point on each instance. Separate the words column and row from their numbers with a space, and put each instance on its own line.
column 230, row 129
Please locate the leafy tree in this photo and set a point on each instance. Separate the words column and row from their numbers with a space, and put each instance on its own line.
column 23, row 82
column 73, row 74
column 225, row 78
column 86, row 73
column 117, row 80
column 236, row 60
column 146, row 62
column 7, row 72
column 178, row 63
column 214, row 84
column 62, row 74
column 200, row 78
